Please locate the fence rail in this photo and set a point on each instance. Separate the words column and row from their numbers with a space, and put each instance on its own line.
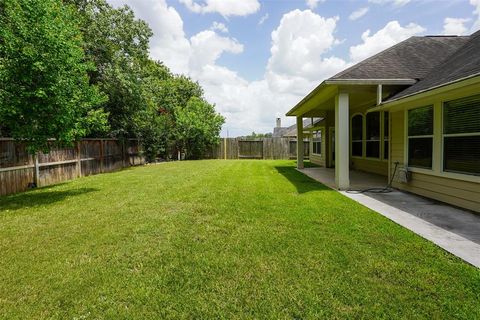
column 263, row 148
column 19, row 169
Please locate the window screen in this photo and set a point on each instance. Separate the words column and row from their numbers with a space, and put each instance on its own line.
column 317, row 142
column 385, row 135
column 373, row 135
column 420, row 137
column 461, row 135
column 357, row 135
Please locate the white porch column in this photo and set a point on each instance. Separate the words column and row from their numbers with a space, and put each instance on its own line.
column 300, row 143
column 342, row 150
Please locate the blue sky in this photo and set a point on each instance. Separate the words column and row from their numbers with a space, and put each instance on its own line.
column 256, row 59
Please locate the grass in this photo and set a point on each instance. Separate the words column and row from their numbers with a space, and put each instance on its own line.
column 218, row 239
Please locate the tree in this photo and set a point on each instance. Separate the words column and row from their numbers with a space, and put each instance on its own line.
column 117, row 44
column 197, row 127
column 44, row 84
column 254, row 135
column 154, row 123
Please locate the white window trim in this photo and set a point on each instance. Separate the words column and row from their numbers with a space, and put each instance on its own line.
column 437, row 164
column 380, row 140
column 382, row 150
column 321, row 142
column 363, row 135
column 407, row 137
column 450, row 174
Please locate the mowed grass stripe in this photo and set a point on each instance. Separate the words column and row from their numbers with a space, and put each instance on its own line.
column 218, row 239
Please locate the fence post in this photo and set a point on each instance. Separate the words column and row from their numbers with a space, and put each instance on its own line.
column 264, row 142
column 79, row 160
column 36, row 174
column 123, row 153
column 225, row 148
column 101, row 155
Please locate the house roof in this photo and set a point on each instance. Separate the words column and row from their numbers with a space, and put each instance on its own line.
column 409, row 59
column 290, row 131
column 463, row 63
column 417, row 64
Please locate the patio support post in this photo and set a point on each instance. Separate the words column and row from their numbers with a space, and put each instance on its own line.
column 300, row 142
column 342, row 175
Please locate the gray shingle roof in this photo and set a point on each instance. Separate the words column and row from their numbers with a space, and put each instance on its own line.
column 289, row 131
column 463, row 63
column 413, row 58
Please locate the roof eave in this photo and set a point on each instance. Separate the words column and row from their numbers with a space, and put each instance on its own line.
column 370, row 81
column 428, row 90
column 337, row 82
column 291, row 112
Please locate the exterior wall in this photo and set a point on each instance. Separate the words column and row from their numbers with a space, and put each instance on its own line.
column 370, row 165
column 377, row 166
column 456, row 189
column 319, row 159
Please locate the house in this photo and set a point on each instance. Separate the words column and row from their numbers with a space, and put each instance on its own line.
column 291, row 131
column 411, row 113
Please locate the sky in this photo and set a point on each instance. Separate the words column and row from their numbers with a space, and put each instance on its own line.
column 256, row 59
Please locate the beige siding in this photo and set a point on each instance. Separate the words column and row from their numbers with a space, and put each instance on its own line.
column 370, row 165
column 461, row 193
column 397, row 134
column 318, row 160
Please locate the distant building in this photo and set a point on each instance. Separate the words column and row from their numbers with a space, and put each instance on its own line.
column 291, row 131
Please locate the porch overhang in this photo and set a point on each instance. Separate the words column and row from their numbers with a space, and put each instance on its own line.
column 314, row 100
column 322, row 98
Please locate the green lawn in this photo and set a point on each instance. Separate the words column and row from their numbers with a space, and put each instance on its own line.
column 218, row 239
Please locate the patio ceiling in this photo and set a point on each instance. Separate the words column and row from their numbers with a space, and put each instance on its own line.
column 361, row 95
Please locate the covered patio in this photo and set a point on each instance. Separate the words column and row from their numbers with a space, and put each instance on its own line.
column 453, row 229
column 336, row 101
column 359, row 180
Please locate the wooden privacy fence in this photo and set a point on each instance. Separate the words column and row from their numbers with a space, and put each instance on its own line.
column 264, row 148
column 18, row 169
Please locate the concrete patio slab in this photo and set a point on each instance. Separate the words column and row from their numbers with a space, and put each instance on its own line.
column 451, row 228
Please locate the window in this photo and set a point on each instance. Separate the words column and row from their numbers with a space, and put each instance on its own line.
column 420, row 137
column 385, row 135
column 357, row 135
column 317, row 142
column 461, row 135
column 373, row 135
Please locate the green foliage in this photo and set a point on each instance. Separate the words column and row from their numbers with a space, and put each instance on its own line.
column 117, row 44
column 44, row 85
column 83, row 68
column 197, row 127
column 254, row 135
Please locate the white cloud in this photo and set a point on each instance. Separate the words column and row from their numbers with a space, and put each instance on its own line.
column 312, row 4
column 476, row 24
column 397, row 3
column 299, row 45
column 297, row 64
column 207, row 46
column 301, row 57
column 455, row 26
column 224, row 7
column 357, row 14
column 390, row 35
column 218, row 26
column 263, row 19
